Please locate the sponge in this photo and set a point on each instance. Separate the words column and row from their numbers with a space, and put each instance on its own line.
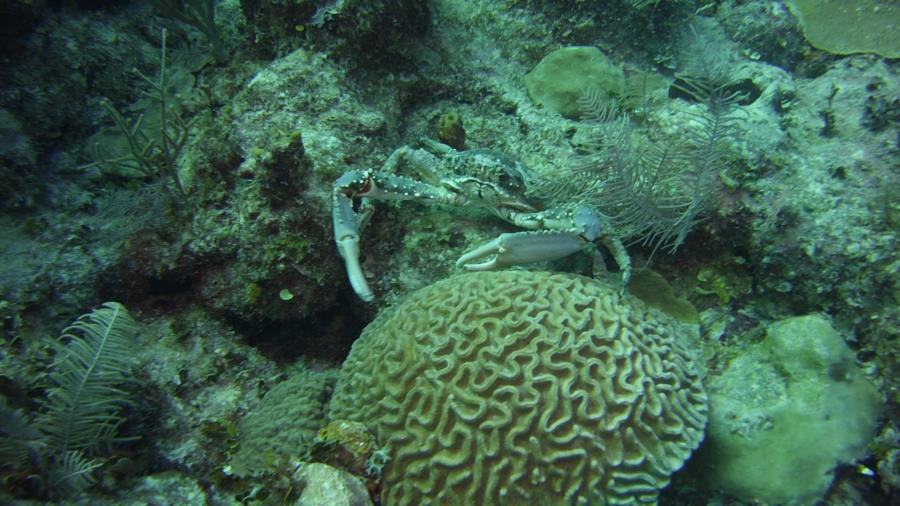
column 785, row 413
column 842, row 27
column 564, row 75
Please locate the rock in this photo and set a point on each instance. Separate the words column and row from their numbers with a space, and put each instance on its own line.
column 329, row 486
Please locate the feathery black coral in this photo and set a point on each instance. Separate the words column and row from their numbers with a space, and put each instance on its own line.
column 18, row 439
column 652, row 193
column 70, row 473
column 83, row 406
column 62, row 448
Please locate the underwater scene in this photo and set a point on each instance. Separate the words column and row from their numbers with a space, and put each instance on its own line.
column 450, row 252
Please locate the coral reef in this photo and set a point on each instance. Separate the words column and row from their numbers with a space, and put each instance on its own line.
column 831, row 209
column 241, row 295
column 369, row 31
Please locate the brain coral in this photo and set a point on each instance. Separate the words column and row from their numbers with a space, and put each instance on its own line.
column 524, row 387
column 283, row 426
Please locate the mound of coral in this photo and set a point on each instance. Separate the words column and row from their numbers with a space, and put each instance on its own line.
column 524, row 387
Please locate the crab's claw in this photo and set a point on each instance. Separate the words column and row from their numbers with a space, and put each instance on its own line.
column 346, row 235
column 522, row 248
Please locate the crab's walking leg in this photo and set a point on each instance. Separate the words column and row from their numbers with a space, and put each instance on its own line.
column 615, row 246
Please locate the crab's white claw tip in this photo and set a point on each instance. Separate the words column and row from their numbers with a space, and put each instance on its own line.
column 489, row 248
column 348, row 247
column 484, row 266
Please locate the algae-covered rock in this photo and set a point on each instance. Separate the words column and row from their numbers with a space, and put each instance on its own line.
column 364, row 30
column 785, row 413
column 564, row 75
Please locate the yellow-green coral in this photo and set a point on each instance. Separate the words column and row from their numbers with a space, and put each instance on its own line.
column 346, row 445
column 451, row 130
column 653, row 289
column 726, row 281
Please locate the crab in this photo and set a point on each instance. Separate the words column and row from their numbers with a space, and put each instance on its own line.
column 473, row 178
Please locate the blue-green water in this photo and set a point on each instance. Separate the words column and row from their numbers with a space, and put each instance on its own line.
column 691, row 206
